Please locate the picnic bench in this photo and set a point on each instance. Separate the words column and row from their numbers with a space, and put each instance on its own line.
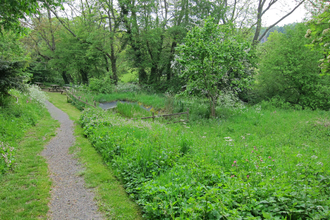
column 55, row 88
column 39, row 84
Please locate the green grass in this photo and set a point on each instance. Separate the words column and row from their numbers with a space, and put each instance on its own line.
column 254, row 164
column 130, row 110
column 111, row 198
column 24, row 191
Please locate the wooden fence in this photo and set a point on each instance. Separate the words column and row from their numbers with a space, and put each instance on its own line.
column 169, row 115
column 79, row 99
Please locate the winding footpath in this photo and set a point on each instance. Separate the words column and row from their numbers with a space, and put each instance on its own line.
column 69, row 198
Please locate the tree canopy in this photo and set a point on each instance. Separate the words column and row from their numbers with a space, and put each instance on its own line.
column 215, row 58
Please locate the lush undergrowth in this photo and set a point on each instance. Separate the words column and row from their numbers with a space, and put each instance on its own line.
column 257, row 164
column 26, row 127
column 17, row 114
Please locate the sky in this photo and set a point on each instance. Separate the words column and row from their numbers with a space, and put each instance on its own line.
column 280, row 9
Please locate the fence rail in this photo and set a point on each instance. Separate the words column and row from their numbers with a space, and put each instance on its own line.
column 168, row 115
column 79, row 99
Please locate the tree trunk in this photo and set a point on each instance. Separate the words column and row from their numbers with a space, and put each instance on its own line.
column 65, row 78
column 113, row 60
column 212, row 106
column 84, row 76
column 169, row 70
column 143, row 78
column 153, row 78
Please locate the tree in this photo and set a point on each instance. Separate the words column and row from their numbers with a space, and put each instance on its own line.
column 289, row 70
column 12, row 11
column 319, row 32
column 214, row 58
column 12, row 62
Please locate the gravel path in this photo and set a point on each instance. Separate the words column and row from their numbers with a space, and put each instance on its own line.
column 70, row 199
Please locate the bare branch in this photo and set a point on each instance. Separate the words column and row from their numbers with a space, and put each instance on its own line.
column 280, row 20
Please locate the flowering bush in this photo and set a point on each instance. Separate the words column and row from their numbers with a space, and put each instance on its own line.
column 36, row 94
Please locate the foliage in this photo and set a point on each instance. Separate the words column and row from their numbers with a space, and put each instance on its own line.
column 12, row 63
column 319, row 32
column 215, row 58
column 104, row 86
column 285, row 71
column 15, row 119
column 12, row 11
column 130, row 77
column 11, row 76
column 131, row 110
column 279, row 169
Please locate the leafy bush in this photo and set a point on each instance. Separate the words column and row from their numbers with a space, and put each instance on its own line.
column 104, row 86
column 11, row 76
column 289, row 70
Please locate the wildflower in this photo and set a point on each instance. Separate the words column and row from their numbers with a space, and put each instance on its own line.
column 27, row 101
column 203, row 136
column 319, row 163
column 314, row 157
column 252, row 151
column 299, row 155
column 247, row 176
column 243, row 137
column 273, row 160
column 232, row 176
column 269, row 157
column 247, row 160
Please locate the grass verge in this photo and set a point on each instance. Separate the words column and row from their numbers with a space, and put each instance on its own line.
column 24, row 192
column 111, row 197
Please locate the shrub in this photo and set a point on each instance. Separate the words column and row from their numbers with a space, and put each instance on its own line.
column 104, row 86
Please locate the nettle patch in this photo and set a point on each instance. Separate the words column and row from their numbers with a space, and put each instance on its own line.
column 204, row 172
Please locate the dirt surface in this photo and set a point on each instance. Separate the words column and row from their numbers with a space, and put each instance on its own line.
column 69, row 198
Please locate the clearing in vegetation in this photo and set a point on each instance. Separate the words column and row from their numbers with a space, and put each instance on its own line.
column 260, row 162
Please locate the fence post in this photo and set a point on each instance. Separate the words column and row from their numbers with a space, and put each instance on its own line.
column 86, row 100
column 79, row 98
column 188, row 115
column 153, row 116
column 94, row 104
